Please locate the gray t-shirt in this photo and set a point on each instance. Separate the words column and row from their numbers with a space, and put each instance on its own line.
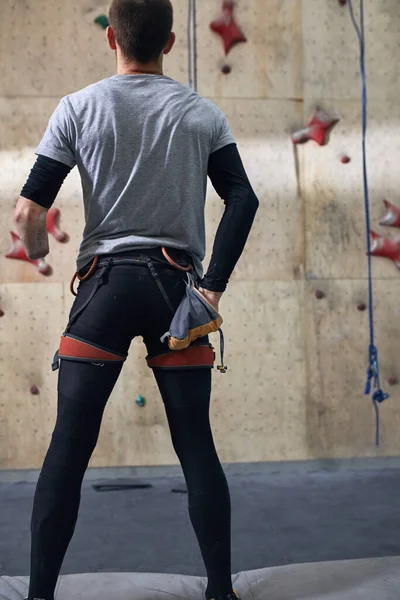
column 141, row 144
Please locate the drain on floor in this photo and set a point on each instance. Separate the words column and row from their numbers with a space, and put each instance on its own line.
column 182, row 489
column 117, row 485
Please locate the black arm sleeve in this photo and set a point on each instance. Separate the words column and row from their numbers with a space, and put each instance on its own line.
column 227, row 174
column 45, row 181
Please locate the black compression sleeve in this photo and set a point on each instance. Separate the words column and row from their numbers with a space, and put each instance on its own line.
column 227, row 174
column 45, row 181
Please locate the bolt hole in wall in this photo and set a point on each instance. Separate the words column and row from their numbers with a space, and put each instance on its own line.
column 310, row 301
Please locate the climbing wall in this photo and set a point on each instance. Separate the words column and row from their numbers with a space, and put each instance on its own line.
column 296, row 318
column 340, row 420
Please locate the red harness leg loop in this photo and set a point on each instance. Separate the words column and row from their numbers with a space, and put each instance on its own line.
column 192, row 357
column 74, row 348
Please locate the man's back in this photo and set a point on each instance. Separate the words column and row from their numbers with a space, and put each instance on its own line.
column 142, row 145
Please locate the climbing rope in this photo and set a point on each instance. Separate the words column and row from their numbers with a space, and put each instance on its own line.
column 195, row 45
column 373, row 381
column 189, row 40
column 192, row 44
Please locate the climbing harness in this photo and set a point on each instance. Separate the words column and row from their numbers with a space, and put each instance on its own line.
column 373, row 381
column 192, row 44
column 195, row 318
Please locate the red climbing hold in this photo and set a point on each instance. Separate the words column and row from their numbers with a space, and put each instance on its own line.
column 35, row 390
column 344, row 159
column 319, row 294
column 1, row 313
column 386, row 248
column 226, row 69
column 392, row 380
column 317, row 129
column 17, row 251
column 361, row 306
column 53, row 226
column 227, row 28
column 343, row 2
column 392, row 217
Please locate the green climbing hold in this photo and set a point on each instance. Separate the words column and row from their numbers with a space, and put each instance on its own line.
column 140, row 401
column 103, row 21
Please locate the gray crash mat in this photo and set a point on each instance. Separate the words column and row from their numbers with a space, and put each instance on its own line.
column 370, row 579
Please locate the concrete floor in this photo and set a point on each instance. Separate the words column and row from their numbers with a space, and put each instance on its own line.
column 280, row 517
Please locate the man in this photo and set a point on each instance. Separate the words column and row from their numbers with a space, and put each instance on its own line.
column 144, row 145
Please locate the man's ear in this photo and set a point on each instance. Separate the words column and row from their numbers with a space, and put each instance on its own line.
column 170, row 44
column 111, row 38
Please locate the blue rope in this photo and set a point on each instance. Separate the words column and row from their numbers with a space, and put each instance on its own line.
column 373, row 366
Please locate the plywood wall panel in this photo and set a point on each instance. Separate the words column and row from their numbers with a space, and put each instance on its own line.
column 258, row 408
column 269, row 65
column 333, row 192
column 63, row 50
column 29, row 335
column 331, row 52
column 275, row 248
column 51, row 31
column 294, row 389
column 340, row 418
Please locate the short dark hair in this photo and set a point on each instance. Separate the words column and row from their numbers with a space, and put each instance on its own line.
column 141, row 27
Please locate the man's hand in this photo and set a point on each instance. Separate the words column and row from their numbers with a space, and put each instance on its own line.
column 212, row 297
column 30, row 222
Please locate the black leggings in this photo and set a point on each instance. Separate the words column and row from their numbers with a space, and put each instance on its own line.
column 128, row 304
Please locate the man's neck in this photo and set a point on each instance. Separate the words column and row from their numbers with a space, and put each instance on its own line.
column 137, row 69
